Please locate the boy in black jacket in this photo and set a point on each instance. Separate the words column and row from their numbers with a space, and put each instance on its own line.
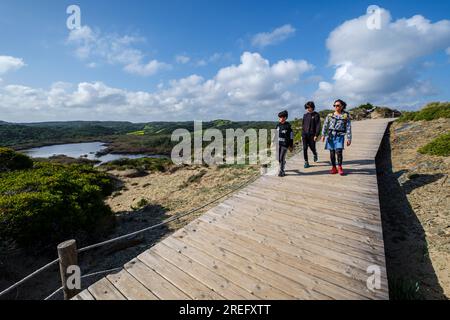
column 310, row 132
column 285, row 140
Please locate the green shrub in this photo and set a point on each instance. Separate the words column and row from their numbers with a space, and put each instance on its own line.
column 11, row 160
column 140, row 204
column 51, row 203
column 431, row 111
column 367, row 106
column 407, row 116
column 145, row 164
column 405, row 289
column 438, row 147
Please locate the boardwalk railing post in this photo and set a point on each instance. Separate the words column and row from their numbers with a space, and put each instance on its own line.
column 68, row 256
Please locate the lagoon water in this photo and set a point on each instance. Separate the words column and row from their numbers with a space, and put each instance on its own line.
column 76, row 150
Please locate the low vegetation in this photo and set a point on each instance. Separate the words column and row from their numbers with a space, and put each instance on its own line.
column 438, row 147
column 431, row 111
column 11, row 160
column 47, row 203
column 146, row 164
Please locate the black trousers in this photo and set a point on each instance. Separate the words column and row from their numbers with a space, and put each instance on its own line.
column 340, row 156
column 308, row 142
column 282, row 152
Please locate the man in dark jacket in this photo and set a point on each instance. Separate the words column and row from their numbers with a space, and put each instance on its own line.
column 310, row 132
column 285, row 140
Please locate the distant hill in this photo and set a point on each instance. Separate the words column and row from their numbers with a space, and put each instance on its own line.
column 26, row 135
column 23, row 135
column 169, row 127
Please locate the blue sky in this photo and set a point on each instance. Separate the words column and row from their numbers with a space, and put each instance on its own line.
column 185, row 60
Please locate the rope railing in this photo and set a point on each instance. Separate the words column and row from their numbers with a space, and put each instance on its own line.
column 100, row 244
column 28, row 277
column 83, row 277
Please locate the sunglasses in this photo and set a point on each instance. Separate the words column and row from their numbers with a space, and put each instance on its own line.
column 337, row 105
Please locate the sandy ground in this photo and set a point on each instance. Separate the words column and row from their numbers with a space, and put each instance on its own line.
column 174, row 192
column 415, row 194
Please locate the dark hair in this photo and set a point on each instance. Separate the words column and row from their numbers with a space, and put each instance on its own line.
column 310, row 104
column 283, row 114
column 343, row 104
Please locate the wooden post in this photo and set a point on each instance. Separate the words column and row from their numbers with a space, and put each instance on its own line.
column 68, row 256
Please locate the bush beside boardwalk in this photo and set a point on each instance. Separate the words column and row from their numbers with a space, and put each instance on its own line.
column 431, row 111
column 46, row 203
column 438, row 147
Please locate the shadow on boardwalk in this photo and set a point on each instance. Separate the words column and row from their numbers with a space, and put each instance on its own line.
column 410, row 272
column 363, row 170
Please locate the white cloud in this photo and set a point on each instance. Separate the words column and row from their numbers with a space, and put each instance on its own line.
column 8, row 63
column 276, row 36
column 253, row 89
column 214, row 58
column 201, row 63
column 113, row 49
column 183, row 59
column 149, row 69
column 382, row 65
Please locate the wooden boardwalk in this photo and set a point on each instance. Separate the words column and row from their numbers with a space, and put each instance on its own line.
column 309, row 235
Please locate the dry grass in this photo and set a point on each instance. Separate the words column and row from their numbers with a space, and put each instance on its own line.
column 185, row 189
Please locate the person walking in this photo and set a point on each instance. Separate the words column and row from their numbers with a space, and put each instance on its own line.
column 285, row 140
column 337, row 126
column 310, row 131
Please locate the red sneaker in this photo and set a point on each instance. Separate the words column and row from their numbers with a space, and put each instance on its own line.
column 340, row 170
column 333, row 170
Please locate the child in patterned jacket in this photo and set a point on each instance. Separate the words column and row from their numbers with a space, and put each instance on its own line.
column 337, row 126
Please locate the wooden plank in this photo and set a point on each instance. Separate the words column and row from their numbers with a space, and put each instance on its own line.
column 329, row 257
column 298, row 229
column 130, row 288
column 353, row 229
column 221, row 285
column 311, row 286
column 348, row 267
column 178, row 277
column 354, row 185
column 158, row 285
column 298, row 218
column 84, row 295
column 104, row 290
column 328, row 282
column 262, row 272
column 343, row 191
column 349, row 210
column 288, row 232
column 255, row 286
